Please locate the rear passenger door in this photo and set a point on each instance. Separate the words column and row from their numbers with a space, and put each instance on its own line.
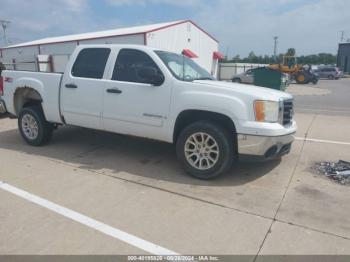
column 82, row 88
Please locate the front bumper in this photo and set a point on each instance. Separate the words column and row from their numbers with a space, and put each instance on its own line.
column 264, row 147
column 2, row 107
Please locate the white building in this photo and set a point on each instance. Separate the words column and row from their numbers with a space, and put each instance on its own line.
column 52, row 54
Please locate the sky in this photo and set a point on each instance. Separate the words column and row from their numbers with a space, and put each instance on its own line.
column 241, row 26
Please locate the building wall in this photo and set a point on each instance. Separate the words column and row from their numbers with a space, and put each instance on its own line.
column 344, row 57
column 174, row 39
column 59, row 51
column 21, row 56
column 62, row 51
column 185, row 36
column 127, row 39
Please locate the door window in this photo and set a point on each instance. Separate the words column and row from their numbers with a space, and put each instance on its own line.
column 128, row 65
column 91, row 63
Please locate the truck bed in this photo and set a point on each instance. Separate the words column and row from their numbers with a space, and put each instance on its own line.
column 46, row 84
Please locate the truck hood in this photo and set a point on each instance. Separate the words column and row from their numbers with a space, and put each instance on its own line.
column 253, row 91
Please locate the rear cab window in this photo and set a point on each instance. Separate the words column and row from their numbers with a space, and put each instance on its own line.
column 91, row 63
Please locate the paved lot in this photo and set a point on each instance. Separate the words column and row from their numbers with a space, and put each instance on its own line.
column 329, row 97
column 137, row 186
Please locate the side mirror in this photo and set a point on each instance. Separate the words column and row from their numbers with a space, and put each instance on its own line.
column 150, row 75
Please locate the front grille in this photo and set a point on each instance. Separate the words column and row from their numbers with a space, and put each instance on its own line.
column 288, row 112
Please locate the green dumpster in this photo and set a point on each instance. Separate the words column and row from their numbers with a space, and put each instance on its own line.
column 267, row 77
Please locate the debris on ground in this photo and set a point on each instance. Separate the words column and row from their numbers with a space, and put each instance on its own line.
column 339, row 171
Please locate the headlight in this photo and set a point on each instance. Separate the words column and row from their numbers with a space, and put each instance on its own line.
column 267, row 111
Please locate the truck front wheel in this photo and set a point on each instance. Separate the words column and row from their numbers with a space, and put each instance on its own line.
column 34, row 128
column 205, row 149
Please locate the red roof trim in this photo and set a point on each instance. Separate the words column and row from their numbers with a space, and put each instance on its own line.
column 218, row 56
column 189, row 53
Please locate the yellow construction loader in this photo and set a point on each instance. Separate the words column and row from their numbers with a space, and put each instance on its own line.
column 296, row 71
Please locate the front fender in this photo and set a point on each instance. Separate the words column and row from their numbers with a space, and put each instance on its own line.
column 232, row 107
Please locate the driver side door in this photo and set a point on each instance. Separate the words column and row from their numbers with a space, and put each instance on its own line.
column 131, row 104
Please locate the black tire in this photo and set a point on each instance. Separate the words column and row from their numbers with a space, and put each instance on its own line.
column 223, row 138
column 301, row 78
column 44, row 128
column 331, row 77
column 236, row 80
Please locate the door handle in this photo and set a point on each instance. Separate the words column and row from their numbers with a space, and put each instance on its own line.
column 71, row 86
column 114, row 91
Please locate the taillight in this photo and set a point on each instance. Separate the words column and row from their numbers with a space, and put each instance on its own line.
column 1, row 86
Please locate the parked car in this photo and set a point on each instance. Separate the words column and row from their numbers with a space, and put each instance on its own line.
column 145, row 92
column 329, row 72
column 246, row 77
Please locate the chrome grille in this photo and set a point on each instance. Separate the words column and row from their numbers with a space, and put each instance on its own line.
column 288, row 112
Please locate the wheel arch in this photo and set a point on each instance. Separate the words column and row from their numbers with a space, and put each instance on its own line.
column 189, row 116
column 25, row 96
column 28, row 91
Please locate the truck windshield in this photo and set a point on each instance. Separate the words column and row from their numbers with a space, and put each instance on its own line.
column 183, row 68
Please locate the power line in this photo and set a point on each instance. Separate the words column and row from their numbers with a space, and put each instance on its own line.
column 342, row 33
column 275, row 47
column 4, row 24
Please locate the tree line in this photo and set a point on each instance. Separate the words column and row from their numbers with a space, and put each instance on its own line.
column 316, row 59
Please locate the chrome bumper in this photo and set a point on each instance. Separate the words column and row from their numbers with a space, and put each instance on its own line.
column 264, row 147
column 2, row 107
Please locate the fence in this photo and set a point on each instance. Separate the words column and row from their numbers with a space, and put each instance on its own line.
column 40, row 63
column 228, row 70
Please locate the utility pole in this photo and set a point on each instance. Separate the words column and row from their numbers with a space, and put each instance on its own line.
column 275, row 47
column 4, row 25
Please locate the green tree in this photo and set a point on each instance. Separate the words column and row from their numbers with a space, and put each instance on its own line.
column 314, row 59
column 251, row 56
column 291, row 52
column 236, row 59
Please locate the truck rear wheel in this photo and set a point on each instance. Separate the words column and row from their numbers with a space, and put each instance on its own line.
column 205, row 149
column 34, row 128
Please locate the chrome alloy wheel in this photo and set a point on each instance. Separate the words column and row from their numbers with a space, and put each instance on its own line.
column 202, row 151
column 30, row 127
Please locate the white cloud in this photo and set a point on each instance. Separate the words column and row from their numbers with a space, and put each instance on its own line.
column 242, row 25
column 145, row 2
column 36, row 19
column 309, row 26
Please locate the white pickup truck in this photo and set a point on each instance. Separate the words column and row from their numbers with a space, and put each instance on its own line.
column 145, row 92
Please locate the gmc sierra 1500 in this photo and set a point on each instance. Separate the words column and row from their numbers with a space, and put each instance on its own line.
column 145, row 92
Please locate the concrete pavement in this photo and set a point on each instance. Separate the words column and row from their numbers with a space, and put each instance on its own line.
column 137, row 186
